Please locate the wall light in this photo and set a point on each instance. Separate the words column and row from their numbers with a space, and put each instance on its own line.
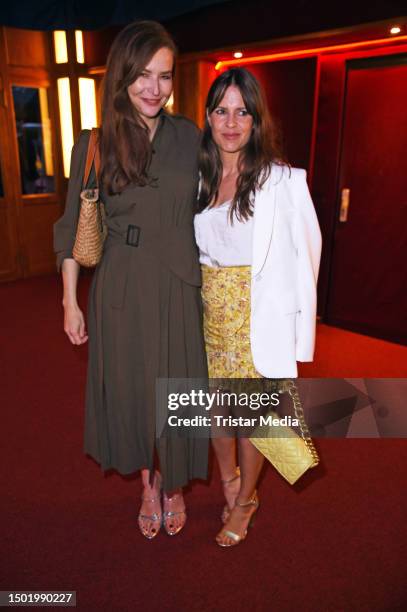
column 170, row 104
column 80, row 54
column 87, row 99
column 46, row 131
column 60, row 47
column 65, row 116
column 395, row 30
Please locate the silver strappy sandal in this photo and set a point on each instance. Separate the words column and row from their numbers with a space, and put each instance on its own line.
column 168, row 515
column 157, row 518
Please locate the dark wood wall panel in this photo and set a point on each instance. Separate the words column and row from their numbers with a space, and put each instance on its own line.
column 27, row 47
column 37, row 222
column 97, row 45
column 186, row 91
column 10, row 266
column 8, row 247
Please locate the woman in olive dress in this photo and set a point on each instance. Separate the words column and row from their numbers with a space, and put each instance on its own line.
column 144, row 315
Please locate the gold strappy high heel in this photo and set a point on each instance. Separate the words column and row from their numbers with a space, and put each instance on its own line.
column 169, row 514
column 153, row 518
column 227, row 509
column 254, row 501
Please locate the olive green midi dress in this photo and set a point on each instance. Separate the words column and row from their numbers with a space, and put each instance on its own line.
column 145, row 312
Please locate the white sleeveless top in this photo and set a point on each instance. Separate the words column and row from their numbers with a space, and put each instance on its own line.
column 220, row 243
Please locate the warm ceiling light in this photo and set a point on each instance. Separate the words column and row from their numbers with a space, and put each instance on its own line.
column 395, row 30
column 238, row 54
column 258, row 59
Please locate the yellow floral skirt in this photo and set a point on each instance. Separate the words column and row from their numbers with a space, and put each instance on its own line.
column 226, row 302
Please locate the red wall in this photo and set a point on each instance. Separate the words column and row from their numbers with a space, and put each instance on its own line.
column 289, row 87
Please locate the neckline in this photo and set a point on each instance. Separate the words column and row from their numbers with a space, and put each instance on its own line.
column 157, row 131
column 222, row 205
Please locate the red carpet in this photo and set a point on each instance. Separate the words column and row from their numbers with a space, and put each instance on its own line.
column 335, row 542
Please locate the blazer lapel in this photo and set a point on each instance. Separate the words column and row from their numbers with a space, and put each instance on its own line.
column 264, row 212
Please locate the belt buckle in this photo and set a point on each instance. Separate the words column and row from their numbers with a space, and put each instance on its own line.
column 133, row 235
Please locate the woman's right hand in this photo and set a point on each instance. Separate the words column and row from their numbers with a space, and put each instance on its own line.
column 74, row 325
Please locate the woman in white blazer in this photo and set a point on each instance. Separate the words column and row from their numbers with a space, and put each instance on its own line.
column 259, row 244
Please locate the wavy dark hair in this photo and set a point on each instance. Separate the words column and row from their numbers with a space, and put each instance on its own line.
column 262, row 149
column 125, row 147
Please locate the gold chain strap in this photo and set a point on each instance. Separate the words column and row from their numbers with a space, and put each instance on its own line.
column 299, row 413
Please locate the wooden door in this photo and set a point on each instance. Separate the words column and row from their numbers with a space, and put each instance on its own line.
column 368, row 279
column 36, row 174
column 10, row 264
column 31, row 184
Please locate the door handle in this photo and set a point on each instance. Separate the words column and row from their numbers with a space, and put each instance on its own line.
column 343, row 212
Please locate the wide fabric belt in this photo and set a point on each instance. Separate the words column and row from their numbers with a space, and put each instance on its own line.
column 174, row 246
column 133, row 236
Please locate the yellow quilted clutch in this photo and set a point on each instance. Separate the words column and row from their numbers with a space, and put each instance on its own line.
column 290, row 454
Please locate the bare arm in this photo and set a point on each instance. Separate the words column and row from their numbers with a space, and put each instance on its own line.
column 64, row 239
column 74, row 322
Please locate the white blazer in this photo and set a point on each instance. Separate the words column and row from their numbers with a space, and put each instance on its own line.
column 285, row 262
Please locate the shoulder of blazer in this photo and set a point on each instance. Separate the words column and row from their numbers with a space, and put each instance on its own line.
column 285, row 173
column 293, row 177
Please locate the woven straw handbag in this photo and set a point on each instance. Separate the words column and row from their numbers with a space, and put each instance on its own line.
column 290, row 454
column 91, row 231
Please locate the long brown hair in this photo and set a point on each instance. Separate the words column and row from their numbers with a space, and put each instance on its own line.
column 124, row 142
column 262, row 149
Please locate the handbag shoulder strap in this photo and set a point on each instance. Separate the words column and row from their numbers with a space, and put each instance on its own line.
column 93, row 155
column 299, row 413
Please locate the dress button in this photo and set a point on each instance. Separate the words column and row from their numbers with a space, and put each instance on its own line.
column 258, row 277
